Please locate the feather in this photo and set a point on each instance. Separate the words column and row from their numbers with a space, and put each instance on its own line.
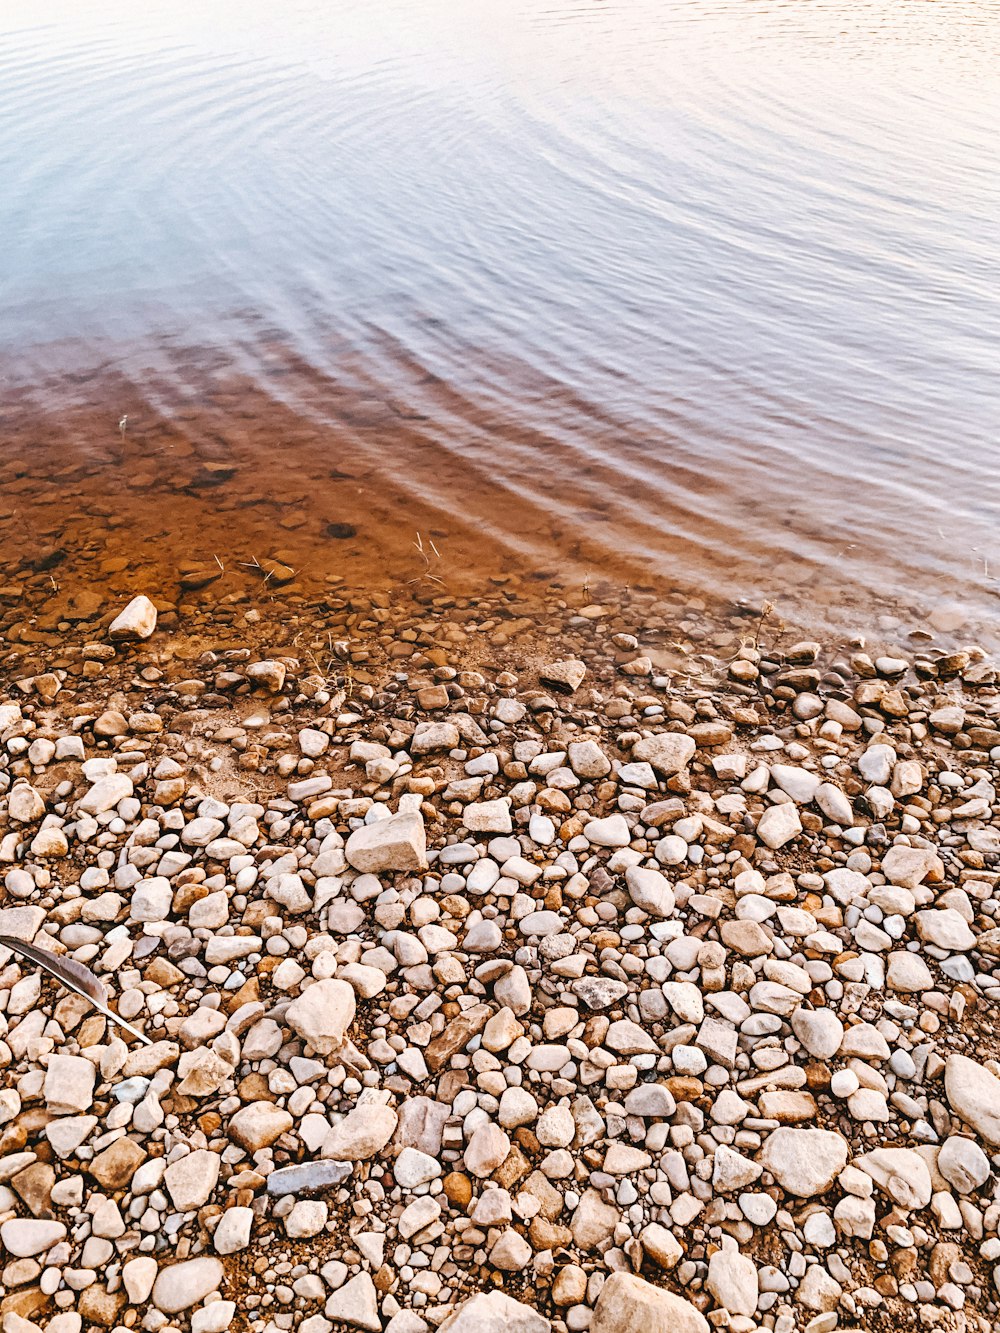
column 74, row 976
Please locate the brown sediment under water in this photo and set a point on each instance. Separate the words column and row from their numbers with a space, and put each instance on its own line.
column 698, row 299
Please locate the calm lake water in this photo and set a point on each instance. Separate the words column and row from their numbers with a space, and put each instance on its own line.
column 705, row 291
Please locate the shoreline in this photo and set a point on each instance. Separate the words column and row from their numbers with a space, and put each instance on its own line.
column 692, row 911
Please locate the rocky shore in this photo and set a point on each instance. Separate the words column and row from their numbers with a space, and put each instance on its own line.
column 625, row 972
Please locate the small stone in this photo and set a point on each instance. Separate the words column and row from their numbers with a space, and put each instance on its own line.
column 494, row 1312
column 487, row 817
column 963, row 1164
column 307, row 1176
column 805, row 1162
column 322, row 1014
column 565, row 676
column 610, row 832
column 511, row 1253
column 69, row 1084
column 307, row 1218
column 819, row 1030
column 396, row 843
column 661, row 1245
column 259, row 1124
column 214, row 1318
column 24, row 804
column 413, row 1168
column 588, row 760
column 115, row 1166
column 778, row 825
column 732, row 1171
column 947, row 929
column 106, row 793
column 269, row 675
column 487, row 1149
column 233, row 1231
column 910, row 866
column 974, row 1095
column 906, row 972
column 834, row 804
column 356, row 1304
column 901, row 1172
column 191, row 1179
column 732, row 1280
column 594, row 1221
column 136, row 621
column 24, row 1237
column 650, row 891
column 669, row 753
column 185, row 1284
column 361, row 1134
column 138, row 1276
column 431, row 736
column 628, row 1304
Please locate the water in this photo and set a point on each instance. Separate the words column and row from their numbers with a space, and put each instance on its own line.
column 705, row 293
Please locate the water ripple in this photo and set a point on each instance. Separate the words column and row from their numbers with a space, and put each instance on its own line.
column 699, row 286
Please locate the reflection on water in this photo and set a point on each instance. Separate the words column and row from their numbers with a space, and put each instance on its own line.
column 702, row 292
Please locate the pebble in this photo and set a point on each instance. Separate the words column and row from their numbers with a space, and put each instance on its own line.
column 640, row 979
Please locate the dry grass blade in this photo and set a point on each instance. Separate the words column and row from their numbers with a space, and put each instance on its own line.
column 74, row 976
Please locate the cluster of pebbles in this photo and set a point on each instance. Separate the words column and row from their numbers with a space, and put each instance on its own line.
column 488, row 988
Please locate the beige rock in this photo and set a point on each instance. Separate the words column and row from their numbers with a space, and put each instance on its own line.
column 486, row 1150
column 24, row 804
column 493, row 1311
column 974, row 1095
column 628, row 1304
column 322, row 1014
column 361, row 1134
column 24, row 1237
column 593, row 1221
column 779, row 824
column 947, row 929
column 396, row 843
column 732, row 1280
column 907, row 972
column 258, row 1125
column 819, row 1030
column 661, row 1245
column 136, row 621
column 185, row 1284
column 565, row 676
column 910, row 866
column 69, row 1084
column 356, row 1304
column 805, row 1162
column 191, row 1179
column 668, row 753
column 650, row 890
column 899, row 1172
